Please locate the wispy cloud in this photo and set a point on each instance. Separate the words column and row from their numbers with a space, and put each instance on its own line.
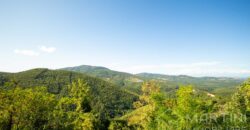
column 35, row 52
column 47, row 49
column 26, row 52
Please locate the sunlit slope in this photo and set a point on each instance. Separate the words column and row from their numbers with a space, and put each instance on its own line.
column 104, row 96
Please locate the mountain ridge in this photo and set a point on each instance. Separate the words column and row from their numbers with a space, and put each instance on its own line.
column 133, row 82
column 93, row 67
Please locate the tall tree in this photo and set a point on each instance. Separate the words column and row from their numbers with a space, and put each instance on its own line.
column 71, row 110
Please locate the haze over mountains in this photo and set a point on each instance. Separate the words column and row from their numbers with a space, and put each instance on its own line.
column 104, row 71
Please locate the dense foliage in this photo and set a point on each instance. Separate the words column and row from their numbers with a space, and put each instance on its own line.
column 107, row 100
column 46, row 99
column 35, row 108
column 186, row 110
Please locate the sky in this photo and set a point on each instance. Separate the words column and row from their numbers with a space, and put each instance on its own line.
column 191, row 37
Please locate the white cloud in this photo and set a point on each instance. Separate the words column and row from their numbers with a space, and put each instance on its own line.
column 47, row 49
column 37, row 52
column 26, row 52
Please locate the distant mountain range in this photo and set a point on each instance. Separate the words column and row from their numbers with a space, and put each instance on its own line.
column 132, row 81
column 56, row 79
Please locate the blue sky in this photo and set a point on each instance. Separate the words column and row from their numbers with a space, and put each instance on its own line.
column 193, row 37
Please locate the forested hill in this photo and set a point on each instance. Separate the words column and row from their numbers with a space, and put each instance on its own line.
column 132, row 82
column 116, row 77
column 105, row 97
column 60, row 99
column 202, row 82
column 97, row 71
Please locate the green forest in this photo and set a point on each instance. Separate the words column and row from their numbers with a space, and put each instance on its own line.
column 124, row 65
column 94, row 98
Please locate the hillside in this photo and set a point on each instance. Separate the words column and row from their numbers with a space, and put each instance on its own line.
column 201, row 81
column 105, row 97
column 57, row 99
column 118, row 78
column 154, row 110
column 97, row 71
column 218, row 85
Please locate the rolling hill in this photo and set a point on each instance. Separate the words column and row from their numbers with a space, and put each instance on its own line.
column 121, row 79
column 113, row 104
column 217, row 85
column 105, row 97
